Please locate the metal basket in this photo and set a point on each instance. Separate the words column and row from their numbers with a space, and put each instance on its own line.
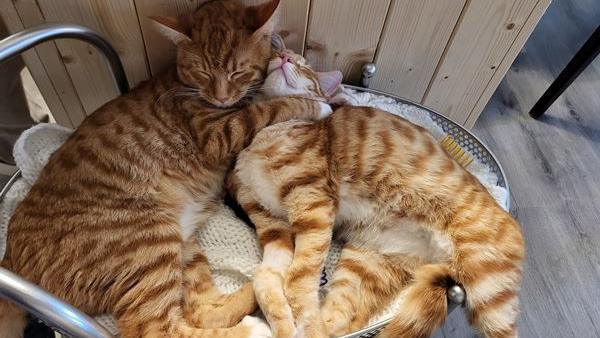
column 70, row 321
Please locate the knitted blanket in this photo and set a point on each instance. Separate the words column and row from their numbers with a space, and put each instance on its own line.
column 229, row 244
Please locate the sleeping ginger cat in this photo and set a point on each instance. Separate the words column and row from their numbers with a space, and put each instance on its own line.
column 109, row 226
column 413, row 220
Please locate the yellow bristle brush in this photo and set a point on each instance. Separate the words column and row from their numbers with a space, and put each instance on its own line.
column 456, row 151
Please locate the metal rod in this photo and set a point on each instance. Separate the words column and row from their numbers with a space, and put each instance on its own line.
column 41, row 304
column 51, row 310
column 44, row 306
column 586, row 54
column 31, row 37
column 9, row 184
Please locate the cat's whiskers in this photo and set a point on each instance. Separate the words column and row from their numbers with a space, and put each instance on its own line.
column 179, row 92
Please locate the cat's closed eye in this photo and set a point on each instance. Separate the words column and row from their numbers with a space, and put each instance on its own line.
column 203, row 74
column 237, row 74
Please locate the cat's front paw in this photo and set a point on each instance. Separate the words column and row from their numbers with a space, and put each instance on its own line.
column 325, row 110
column 258, row 328
column 311, row 331
column 336, row 323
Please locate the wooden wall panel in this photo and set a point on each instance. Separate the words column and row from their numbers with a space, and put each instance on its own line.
column 117, row 21
column 52, row 62
column 414, row 37
column 504, row 66
column 481, row 41
column 343, row 34
column 449, row 54
column 292, row 26
column 160, row 51
column 14, row 24
column 292, row 22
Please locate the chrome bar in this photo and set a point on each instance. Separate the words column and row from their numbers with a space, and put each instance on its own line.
column 9, row 184
column 55, row 313
column 28, row 38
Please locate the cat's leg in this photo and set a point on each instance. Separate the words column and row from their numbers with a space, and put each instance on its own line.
column 275, row 238
column 270, row 276
column 12, row 320
column 364, row 283
column 311, row 213
column 151, row 301
column 205, row 305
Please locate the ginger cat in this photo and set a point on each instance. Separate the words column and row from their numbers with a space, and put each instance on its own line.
column 110, row 224
column 413, row 220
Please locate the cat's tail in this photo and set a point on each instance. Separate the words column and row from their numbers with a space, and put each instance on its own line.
column 424, row 304
column 491, row 303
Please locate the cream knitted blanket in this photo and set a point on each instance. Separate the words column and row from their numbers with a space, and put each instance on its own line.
column 229, row 244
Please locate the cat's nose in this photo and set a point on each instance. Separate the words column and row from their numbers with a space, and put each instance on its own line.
column 221, row 98
column 285, row 58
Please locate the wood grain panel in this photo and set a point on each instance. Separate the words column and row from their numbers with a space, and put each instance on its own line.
column 117, row 21
column 343, row 34
column 11, row 19
column 46, row 65
column 160, row 51
column 292, row 22
column 414, row 37
column 512, row 53
column 292, row 26
column 479, row 44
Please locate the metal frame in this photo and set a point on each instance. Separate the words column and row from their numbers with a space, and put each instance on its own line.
column 57, row 314
column 19, row 42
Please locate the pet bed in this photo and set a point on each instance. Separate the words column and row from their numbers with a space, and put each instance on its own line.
column 229, row 244
column 224, row 234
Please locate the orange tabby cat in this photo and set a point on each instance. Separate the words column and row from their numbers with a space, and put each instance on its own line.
column 414, row 221
column 109, row 225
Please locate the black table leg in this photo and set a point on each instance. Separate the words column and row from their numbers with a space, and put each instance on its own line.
column 578, row 63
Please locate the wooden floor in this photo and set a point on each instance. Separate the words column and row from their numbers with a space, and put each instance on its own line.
column 553, row 167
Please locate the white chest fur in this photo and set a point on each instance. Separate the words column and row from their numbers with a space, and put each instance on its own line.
column 260, row 182
column 362, row 222
column 192, row 215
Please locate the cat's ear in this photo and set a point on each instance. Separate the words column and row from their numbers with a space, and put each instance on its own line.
column 330, row 81
column 277, row 42
column 173, row 28
column 263, row 18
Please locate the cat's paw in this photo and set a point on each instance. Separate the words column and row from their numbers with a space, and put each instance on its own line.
column 258, row 327
column 311, row 328
column 335, row 323
column 325, row 110
column 299, row 332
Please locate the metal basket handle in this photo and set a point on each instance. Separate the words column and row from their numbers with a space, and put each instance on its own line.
column 54, row 312
column 20, row 42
